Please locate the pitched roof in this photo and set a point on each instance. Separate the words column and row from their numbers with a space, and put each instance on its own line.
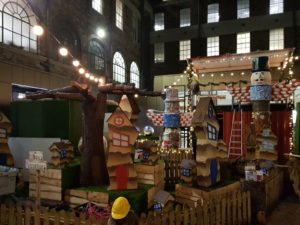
column 187, row 163
column 129, row 104
column 202, row 110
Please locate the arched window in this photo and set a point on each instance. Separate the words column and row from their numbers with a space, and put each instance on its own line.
column 16, row 20
column 118, row 68
column 96, row 57
column 135, row 75
column 66, row 33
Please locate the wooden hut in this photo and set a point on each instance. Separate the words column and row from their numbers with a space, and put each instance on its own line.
column 6, row 157
column 61, row 153
column 209, row 148
column 122, row 137
column 188, row 170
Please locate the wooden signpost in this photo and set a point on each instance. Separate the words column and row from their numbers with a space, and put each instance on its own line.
column 36, row 162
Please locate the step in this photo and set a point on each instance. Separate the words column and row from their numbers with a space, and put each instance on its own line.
column 235, row 154
column 234, row 148
column 236, row 142
column 236, row 135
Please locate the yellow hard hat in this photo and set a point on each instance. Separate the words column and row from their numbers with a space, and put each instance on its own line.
column 120, row 208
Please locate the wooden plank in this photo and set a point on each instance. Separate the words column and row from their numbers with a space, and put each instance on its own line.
column 44, row 180
column 20, row 215
column 3, row 214
column 193, row 217
column 229, row 211
column 239, row 208
column 45, row 187
column 27, row 216
column 99, row 197
column 234, row 209
column 37, row 216
column 218, row 212
column 49, row 173
column 244, row 206
column 11, row 216
column 47, row 195
column 45, row 216
column 249, row 207
column 223, row 211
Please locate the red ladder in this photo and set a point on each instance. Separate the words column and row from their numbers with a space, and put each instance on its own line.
column 236, row 137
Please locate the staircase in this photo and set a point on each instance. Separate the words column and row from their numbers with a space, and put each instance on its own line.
column 235, row 149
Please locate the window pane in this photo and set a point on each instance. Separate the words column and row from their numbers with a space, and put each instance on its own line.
column 116, row 136
column 184, row 50
column 17, row 27
column 7, row 21
column 119, row 14
column 276, row 6
column 243, row 9
column 25, row 29
column 118, row 68
column 17, row 39
column 276, row 39
column 134, row 75
column 159, row 52
column 212, row 46
column 124, row 137
column 243, row 43
column 185, row 17
column 159, row 23
column 25, row 43
column 213, row 13
column 116, row 142
column 98, row 5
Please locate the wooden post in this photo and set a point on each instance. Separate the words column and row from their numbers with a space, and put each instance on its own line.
column 38, row 189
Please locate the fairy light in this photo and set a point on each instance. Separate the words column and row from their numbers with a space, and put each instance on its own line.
column 87, row 75
column 136, row 95
column 92, row 77
column 81, row 70
column 75, row 63
column 63, row 51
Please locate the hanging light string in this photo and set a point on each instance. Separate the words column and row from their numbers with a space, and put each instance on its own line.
column 64, row 52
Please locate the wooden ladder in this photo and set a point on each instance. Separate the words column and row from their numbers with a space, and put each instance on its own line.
column 236, row 137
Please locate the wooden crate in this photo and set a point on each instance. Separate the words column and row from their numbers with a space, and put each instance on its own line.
column 77, row 197
column 191, row 195
column 53, row 182
column 150, row 174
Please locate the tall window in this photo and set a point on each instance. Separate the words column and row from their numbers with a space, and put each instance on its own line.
column 185, row 17
column 96, row 57
column 119, row 14
column 159, row 21
column 243, row 9
column 118, row 68
column 243, row 43
column 276, row 39
column 135, row 75
column 184, row 50
column 213, row 13
column 213, row 46
column 16, row 19
column 159, row 52
column 212, row 132
column 98, row 6
column 276, row 6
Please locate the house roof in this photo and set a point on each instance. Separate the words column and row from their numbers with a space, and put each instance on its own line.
column 5, row 122
column 163, row 197
column 202, row 110
column 61, row 145
column 187, row 163
column 121, row 112
column 129, row 104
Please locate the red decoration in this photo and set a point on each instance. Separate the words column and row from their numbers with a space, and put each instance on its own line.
column 122, row 176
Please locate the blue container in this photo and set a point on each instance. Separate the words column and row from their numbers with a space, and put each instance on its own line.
column 172, row 120
column 261, row 93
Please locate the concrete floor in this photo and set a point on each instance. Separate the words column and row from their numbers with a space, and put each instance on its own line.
column 287, row 212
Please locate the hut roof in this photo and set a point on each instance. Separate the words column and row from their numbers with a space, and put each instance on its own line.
column 61, row 145
column 129, row 104
column 202, row 110
column 187, row 163
column 163, row 197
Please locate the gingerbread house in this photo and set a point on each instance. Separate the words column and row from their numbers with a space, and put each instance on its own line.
column 61, row 153
column 209, row 148
column 6, row 157
column 188, row 170
column 130, row 107
column 122, row 137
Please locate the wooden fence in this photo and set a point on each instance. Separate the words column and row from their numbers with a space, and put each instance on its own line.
column 18, row 215
column 172, row 162
column 232, row 209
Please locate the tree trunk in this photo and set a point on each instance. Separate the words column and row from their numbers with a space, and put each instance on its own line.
column 93, row 163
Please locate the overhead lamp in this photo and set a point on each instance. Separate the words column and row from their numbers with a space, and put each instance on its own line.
column 81, row 71
column 87, row 75
column 38, row 30
column 101, row 33
column 76, row 63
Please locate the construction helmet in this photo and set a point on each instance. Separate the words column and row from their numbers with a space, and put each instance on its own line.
column 120, row 208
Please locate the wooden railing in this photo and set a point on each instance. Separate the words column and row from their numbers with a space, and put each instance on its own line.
column 172, row 161
column 234, row 209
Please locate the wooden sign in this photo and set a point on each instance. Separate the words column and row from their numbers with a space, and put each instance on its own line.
column 35, row 161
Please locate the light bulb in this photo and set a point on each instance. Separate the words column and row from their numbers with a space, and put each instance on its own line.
column 87, row 75
column 92, row 77
column 63, row 51
column 76, row 63
column 38, row 30
column 81, row 71
column 101, row 33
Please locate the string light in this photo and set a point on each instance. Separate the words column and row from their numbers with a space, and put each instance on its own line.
column 92, row 77
column 87, row 75
column 38, row 30
column 136, row 95
column 63, row 51
column 222, row 74
column 75, row 63
column 81, row 70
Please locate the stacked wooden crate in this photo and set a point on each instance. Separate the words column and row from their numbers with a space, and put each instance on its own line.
column 77, row 197
column 190, row 196
column 50, row 184
column 151, row 175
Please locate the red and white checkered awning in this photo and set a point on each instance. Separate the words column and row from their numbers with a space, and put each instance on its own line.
column 157, row 118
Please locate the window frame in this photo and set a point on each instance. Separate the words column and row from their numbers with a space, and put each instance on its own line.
column 159, row 52
column 213, row 46
column 159, row 21
column 119, row 14
column 243, row 42
column 120, row 139
column 3, row 133
column 97, row 5
column 276, row 39
column 212, row 130
column 96, row 51
column 185, row 17
column 135, row 74
column 276, row 6
column 184, row 49
column 119, row 68
column 213, row 13
column 242, row 7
